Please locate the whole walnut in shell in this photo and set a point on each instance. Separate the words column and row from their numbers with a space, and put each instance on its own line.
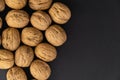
column 39, row 4
column 40, row 70
column 60, row 13
column 11, row 39
column 16, row 4
column 2, row 5
column 56, row 35
column 40, row 20
column 16, row 73
column 1, row 23
column 6, row 59
column 24, row 56
column 17, row 18
column 46, row 52
column 31, row 36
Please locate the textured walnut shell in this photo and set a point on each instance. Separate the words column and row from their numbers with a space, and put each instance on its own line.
column 40, row 20
column 60, row 13
column 56, row 35
column 17, row 18
column 39, row 4
column 2, row 5
column 16, row 73
column 1, row 23
column 31, row 36
column 16, row 4
column 40, row 70
column 11, row 39
column 24, row 56
column 6, row 59
column 46, row 52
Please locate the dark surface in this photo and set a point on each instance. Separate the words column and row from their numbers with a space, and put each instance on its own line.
column 92, row 51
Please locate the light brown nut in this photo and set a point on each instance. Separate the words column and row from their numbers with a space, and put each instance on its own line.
column 39, row 4
column 56, row 35
column 16, row 73
column 17, row 18
column 24, row 56
column 6, row 59
column 60, row 13
column 40, row 70
column 40, row 20
column 46, row 52
column 11, row 39
column 31, row 36
column 16, row 4
column 2, row 5
column 1, row 23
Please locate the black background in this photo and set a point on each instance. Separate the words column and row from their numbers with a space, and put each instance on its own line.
column 92, row 51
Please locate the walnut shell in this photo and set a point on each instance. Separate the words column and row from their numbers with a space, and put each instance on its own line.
column 40, row 70
column 40, row 20
column 16, row 73
column 60, row 13
column 39, row 4
column 11, row 39
column 46, row 52
column 6, row 59
column 56, row 35
column 16, row 4
column 31, row 36
column 1, row 23
column 2, row 5
column 24, row 56
column 17, row 18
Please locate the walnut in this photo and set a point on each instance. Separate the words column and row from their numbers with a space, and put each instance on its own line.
column 2, row 5
column 11, row 39
column 31, row 36
column 1, row 22
column 24, row 56
column 46, row 52
column 40, row 70
column 60, row 13
column 6, row 59
column 17, row 18
column 16, row 73
column 16, row 4
column 39, row 4
column 56, row 35
column 40, row 20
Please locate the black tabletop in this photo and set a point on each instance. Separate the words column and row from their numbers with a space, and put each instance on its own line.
column 92, row 51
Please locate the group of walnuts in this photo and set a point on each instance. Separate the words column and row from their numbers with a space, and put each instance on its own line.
column 31, row 37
